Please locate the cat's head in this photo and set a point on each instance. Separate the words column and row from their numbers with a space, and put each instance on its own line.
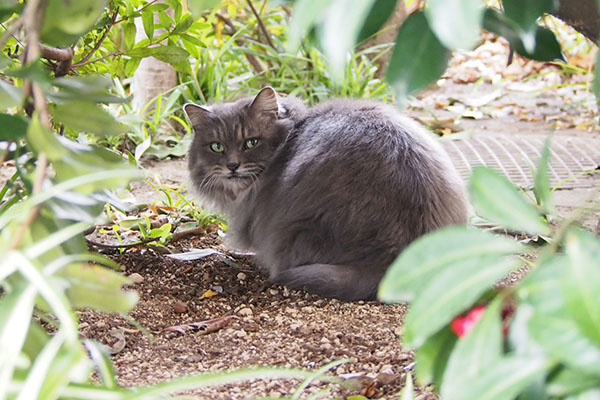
column 233, row 144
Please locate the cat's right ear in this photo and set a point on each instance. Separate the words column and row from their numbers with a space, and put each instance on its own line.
column 265, row 103
column 196, row 114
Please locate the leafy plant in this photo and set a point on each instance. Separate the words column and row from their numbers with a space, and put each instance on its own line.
column 537, row 339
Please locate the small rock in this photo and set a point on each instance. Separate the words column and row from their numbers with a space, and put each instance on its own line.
column 136, row 278
column 246, row 311
column 241, row 276
column 241, row 333
column 273, row 292
column 180, row 307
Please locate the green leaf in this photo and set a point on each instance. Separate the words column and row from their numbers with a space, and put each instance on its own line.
column 452, row 292
column 98, row 288
column 505, row 379
column 183, row 25
column 87, row 88
column 170, row 54
column 428, row 57
column 432, row 357
column 16, row 308
column 455, row 22
column 345, row 16
column 198, row 7
column 526, row 13
column 13, row 127
column 132, row 65
column 542, row 287
column 441, row 250
column 148, row 22
column 408, row 392
column 10, row 95
column 498, row 200
column 561, row 338
column 86, row 117
column 163, row 231
column 541, row 187
column 307, row 14
column 129, row 31
column 568, row 381
column 538, row 43
column 582, row 282
column 480, row 348
column 380, row 12
column 66, row 21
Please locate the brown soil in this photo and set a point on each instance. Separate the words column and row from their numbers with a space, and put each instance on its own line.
column 270, row 326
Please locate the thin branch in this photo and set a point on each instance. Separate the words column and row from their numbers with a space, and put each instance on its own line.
column 116, row 53
column 250, row 57
column 16, row 25
column 261, row 25
column 98, row 44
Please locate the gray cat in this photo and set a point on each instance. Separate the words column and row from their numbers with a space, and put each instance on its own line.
column 326, row 196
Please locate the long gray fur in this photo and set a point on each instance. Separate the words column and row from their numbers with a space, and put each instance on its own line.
column 330, row 195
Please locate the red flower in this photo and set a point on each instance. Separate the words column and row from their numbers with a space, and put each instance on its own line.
column 462, row 325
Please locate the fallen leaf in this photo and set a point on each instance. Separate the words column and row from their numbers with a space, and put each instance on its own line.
column 202, row 327
column 208, row 294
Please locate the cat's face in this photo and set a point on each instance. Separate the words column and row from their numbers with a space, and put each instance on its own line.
column 232, row 145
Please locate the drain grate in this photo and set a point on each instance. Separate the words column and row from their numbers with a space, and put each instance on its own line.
column 517, row 157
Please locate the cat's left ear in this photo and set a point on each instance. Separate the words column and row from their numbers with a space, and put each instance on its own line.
column 265, row 103
column 196, row 114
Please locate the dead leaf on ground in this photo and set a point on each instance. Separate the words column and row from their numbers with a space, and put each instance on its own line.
column 202, row 327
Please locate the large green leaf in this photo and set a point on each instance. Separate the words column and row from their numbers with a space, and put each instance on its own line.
column 87, row 117
column 561, row 338
column 419, row 58
column 98, row 288
column 378, row 15
column 307, row 13
column 13, row 127
column 541, row 187
column 345, row 16
column 450, row 292
column 568, row 381
column 16, row 308
column 65, row 21
column 542, row 287
column 455, row 22
column 87, row 88
column 498, row 200
column 537, row 43
column 169, row 54
column 480, row 348
column 582, row 282
column 505, row 379
column 148, row 22
column 10, row 95
column 436, row 252
column 526, row 13
column 432, row 357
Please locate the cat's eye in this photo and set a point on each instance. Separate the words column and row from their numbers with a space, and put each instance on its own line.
column 217, row 147
column 250, row 143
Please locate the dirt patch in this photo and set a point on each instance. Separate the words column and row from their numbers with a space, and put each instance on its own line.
column 270, row 326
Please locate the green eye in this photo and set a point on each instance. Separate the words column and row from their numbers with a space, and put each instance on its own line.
column 250, row 143
column 217, row 147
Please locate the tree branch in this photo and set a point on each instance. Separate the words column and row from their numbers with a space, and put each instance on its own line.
column 261, row 25
column 250, row 57
column 98, row 44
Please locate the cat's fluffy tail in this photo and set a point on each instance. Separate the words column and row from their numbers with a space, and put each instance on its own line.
column 340, row 281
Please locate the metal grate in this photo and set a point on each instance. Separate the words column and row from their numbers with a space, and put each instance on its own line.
column 517, row 157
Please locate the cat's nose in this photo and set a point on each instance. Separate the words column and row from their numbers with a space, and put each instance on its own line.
column 233, row 165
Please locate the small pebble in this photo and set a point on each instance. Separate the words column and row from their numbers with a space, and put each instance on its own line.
column 241, row 276
column 245, row 311
column 241, row 333
column 136, row 278
column 180, row 307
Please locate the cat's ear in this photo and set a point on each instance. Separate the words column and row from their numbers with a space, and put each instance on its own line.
column 196, row 114
column 265, row 103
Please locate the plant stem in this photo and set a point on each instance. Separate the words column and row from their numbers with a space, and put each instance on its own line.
column 261, row 25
